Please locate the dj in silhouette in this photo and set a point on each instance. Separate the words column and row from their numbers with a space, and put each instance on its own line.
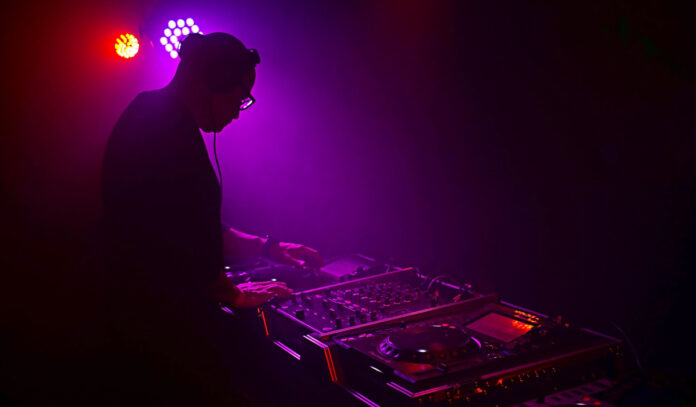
column 164, row 241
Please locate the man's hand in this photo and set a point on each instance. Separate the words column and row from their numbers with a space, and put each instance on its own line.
column 296, row 254
column 254, row 294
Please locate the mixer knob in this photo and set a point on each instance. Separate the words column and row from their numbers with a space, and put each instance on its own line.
column 332, row 313
column 325, row 303
column 300, row 314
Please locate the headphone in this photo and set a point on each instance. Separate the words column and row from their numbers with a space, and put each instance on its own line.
column 223, row 69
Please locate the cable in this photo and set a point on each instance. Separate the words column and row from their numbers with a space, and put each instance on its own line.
column 433, row 280
column 630, row 345
column 217, row 163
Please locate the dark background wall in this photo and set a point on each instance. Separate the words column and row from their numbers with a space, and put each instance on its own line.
column 541, row 151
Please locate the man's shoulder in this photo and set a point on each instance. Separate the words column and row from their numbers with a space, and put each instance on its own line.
column 150, row 106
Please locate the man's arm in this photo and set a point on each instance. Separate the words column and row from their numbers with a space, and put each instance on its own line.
column 240, row 245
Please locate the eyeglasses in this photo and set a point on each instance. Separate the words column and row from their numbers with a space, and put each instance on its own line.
column 247, row 102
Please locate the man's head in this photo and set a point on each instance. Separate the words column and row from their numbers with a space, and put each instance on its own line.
column 215, row 77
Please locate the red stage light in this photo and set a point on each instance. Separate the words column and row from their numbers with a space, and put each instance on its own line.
column 127, row 46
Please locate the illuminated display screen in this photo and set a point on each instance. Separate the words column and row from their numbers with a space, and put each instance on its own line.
column 500, row 327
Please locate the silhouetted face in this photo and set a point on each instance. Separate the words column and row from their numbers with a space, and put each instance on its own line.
column 225, row 107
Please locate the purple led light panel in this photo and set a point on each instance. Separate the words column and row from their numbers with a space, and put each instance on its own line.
column 175, row 30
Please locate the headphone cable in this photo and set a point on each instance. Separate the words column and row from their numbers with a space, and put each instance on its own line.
column 217, row 163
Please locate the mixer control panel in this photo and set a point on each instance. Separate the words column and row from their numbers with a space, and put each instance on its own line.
column 369, row 299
